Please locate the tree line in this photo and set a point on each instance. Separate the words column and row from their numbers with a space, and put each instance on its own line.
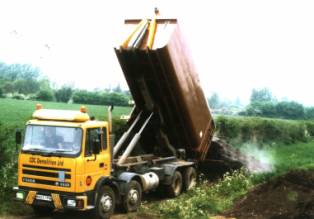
column 22, row 81
column 264, row 104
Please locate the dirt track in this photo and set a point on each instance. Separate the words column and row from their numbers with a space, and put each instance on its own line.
column 77, row 215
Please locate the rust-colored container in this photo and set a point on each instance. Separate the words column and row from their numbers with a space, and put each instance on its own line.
column 162, row 79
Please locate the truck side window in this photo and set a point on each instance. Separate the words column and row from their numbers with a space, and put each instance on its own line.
column 104, row 144
column 91, row 136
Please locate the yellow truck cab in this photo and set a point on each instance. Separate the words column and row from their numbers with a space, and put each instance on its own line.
column 65, row 153
column 66, row 162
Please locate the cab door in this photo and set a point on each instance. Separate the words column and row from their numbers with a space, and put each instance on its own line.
column 96, row 156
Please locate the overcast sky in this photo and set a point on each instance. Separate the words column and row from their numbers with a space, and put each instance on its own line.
column 236, row 45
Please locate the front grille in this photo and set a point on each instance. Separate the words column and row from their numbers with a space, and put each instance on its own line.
column 59, row 175
column 46, row 182
column 46, row 174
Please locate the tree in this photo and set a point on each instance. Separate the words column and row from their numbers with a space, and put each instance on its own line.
column 214, row 101
column 19, row 78
column 309, row 113
column 8, row 87
column 45, row 94
column 64, row 94
column 27, row 86
column 262, row 95
column 290, row 110
column 118, row 99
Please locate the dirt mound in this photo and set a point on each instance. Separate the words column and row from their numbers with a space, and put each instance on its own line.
column 287, row 197
column 223, row 157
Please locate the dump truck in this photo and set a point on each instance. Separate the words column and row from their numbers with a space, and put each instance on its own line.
column 69, row 160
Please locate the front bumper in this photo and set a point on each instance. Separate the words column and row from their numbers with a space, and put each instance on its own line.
column 53, row 199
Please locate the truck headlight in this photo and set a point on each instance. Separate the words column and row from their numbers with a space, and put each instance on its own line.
column 71, row 203
column 20, row 195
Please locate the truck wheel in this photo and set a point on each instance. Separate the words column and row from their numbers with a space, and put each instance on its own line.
column 105, row 203
column 189, row 178
column 175, row 188
column 133, row 198
column 42, row 210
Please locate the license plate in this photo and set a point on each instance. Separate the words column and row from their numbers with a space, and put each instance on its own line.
column 44, row 198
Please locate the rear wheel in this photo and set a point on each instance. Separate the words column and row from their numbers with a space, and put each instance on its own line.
column 189, row 178
column 132, row 200
column 175, row 188
column 105, row 203
column 42, row 210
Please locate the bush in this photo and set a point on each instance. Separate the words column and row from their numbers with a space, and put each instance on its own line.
column 309, row 113
column 290, row 110
column 239, row 130
column 205, row 199
column 8, row 161
column 64, row 94
column 45, row 94
column 100, row 98
column 284, row 110
column 18, row 96
column 310, row 128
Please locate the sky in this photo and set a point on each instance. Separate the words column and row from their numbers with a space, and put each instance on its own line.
column 236, row 45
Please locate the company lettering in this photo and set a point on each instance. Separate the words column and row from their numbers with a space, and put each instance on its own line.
column 46, row 161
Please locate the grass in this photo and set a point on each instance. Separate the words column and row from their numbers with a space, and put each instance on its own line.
column 15, row 113
column 287, row 157
column 210, row 199
column 206, row 199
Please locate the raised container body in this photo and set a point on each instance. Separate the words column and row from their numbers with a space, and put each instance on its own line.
column 162, row 79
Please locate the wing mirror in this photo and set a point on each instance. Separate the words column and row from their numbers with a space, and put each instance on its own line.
column 18, row 138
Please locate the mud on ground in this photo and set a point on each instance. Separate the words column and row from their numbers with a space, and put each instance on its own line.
column 290, row 196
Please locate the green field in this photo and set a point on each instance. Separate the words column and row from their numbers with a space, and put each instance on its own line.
column 16, row 112
column 286, row 144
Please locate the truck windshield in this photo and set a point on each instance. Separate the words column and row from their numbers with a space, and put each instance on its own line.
column 52, row 139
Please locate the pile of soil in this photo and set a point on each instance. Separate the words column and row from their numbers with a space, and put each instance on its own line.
column 223, row 157
column 288, row 196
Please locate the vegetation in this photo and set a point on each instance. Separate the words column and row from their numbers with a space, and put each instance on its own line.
column 209, row 199
column 263, row 104
column 288, row 142
column 239, row 130
column 64, row 94
column 206, row 199
column 17, row 78
column 25, row 82
column 101, row 98
column 14, row 113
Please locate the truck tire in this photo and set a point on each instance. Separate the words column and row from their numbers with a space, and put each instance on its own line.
column 105, row 203
column 42, row 210
column 175, row 188
column 189, row 178
column 132, row 199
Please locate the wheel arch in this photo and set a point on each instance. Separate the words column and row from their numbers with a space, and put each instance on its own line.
column 171, row 168
column 108, row 182
column 129, row 176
